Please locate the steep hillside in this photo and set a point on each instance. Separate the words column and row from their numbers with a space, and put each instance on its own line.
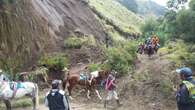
column 29, row 28
column 117, row 14
column 67, row 17
column 130, row 4
column 23, row 34
column 149, row 7
column 144, row 7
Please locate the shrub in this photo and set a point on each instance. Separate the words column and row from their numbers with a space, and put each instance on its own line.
column 90, row 41
column 7, row 1
column 21, row 103
column 78, row 42
column 120, row 58
column 73, row 42
column 116, row 60
column 54, row 62
column 131, row 47
column 182, row 54
column 93, row 67
column 166, row 87
column 179, row 53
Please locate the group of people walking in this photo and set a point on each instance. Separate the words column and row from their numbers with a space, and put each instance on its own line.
column 57, row 100
column 185, row 95
column 152, row 42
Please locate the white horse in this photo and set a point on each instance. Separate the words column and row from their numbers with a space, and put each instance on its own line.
column 10, row 90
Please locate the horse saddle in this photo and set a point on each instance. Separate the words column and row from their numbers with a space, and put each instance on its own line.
column 16, row 85
column 83, row 77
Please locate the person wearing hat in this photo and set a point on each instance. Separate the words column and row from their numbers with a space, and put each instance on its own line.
column 110, row 87
column 185, row 96
column 56, row 99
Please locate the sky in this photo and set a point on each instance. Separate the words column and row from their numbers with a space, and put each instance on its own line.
column 161, row 2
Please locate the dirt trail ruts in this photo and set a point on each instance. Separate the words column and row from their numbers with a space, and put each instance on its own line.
column 74, row 106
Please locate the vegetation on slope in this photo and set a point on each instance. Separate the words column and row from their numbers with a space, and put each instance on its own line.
column 117, row 14
column 178, row 23
column 121, row 57
column 130, row 4
column 144, row 7
column 179, row 53
column 22, row 35
column 149, row 7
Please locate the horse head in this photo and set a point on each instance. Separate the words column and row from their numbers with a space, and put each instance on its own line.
column 66, row 71
column 104, row 74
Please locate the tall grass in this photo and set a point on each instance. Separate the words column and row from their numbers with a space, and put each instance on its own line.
column 117, row 14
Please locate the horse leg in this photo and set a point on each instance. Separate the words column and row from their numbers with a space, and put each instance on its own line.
column 98, row 94
column 34, row 103
column 88, row 94
column 69, row 91
column 64, row 84
column 8, row 104
column 35, row 97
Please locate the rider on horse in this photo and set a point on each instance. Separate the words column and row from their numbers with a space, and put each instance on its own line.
column 155, row 40
column 152, row 44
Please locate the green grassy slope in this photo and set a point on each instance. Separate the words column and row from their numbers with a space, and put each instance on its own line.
column 117, row 14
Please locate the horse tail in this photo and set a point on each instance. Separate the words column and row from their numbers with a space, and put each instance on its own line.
column 36, row 95
column 64, row 83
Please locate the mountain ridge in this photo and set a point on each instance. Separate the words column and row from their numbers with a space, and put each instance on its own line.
column 144, row 7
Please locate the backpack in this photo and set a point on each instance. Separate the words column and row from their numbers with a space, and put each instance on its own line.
column 191, row 89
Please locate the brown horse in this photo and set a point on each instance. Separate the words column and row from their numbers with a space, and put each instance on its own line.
column 73, row 79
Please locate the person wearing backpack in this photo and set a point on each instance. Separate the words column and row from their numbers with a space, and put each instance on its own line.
column 56, row 99
column 185, row 96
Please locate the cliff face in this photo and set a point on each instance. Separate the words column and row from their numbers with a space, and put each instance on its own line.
column 23, row 34
column 31, row 27
column 66, row 17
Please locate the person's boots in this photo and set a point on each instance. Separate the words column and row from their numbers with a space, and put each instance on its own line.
column 105, row 104
column 118, row 103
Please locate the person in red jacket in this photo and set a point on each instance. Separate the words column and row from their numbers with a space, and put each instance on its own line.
column 110, row 86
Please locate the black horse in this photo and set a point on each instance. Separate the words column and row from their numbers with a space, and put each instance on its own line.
column 149, row 50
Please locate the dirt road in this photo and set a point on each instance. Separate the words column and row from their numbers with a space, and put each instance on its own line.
column 139, row 90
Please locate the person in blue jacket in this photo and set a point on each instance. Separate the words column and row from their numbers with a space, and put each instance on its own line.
column 185, row 96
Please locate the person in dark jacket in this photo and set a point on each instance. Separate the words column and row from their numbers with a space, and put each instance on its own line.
column 185, row 96
column 56, row 99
